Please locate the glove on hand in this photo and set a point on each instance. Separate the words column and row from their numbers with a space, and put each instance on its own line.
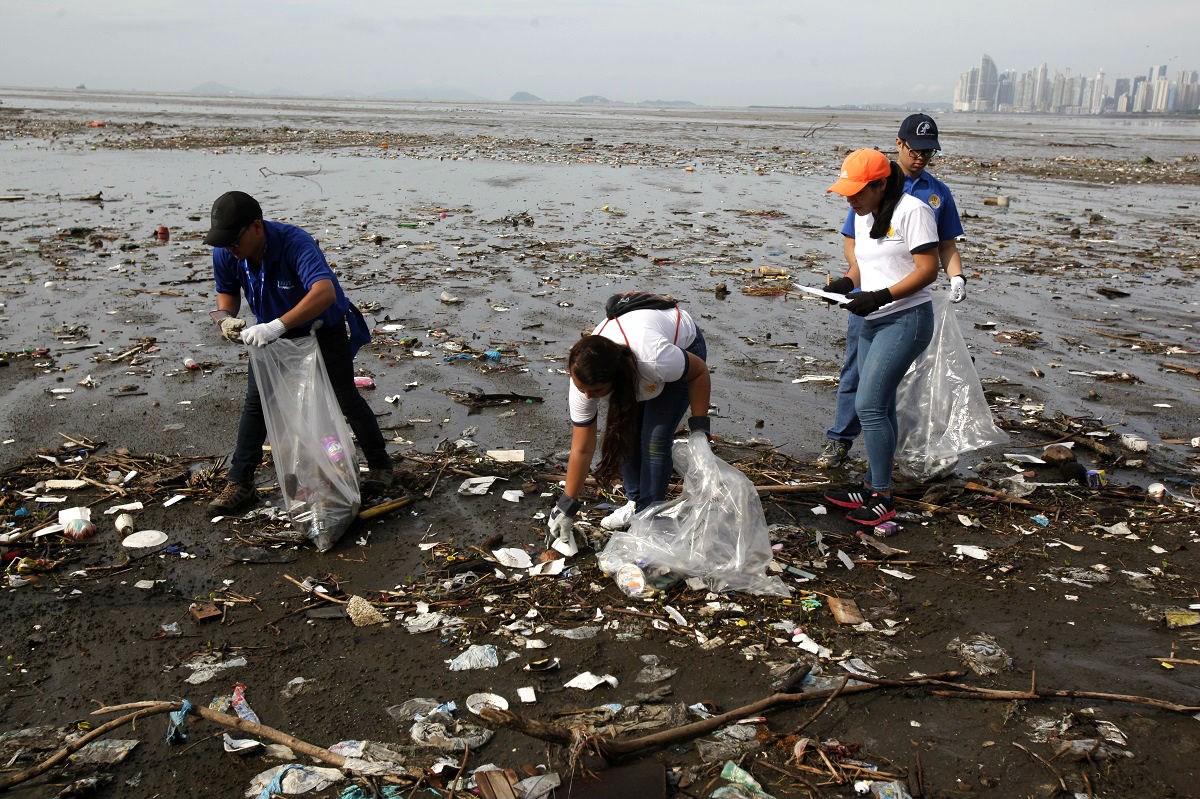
column 868, row 302
column 843, row 285
column 700, row 424
column 264, row 334
column 562, row 526
column 231, row 329
column 958, row 288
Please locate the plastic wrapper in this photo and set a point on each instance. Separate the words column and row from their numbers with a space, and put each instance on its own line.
column 941, row 411
column 715, row 531
column 311, row 446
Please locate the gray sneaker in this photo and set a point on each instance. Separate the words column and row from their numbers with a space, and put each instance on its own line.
column 233, row 498
column 835, row 454
column 378, row 481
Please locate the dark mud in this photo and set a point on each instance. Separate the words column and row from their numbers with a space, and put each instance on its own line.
column 1080, row 293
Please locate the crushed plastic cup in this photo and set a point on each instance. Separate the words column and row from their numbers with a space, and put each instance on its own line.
column 631, row 580
column 1156, row 490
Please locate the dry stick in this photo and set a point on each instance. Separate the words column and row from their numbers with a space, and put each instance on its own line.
column 235, row 723
column 821, row 709
column 314, row 592
column 548, row 732
column 1062, row 783
column 454, row 785
column 151, row 709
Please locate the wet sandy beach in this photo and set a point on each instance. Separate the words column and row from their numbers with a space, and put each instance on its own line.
column 1082, row 306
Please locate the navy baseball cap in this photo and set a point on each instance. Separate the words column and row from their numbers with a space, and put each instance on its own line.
column 919, row 132
column 231, row 213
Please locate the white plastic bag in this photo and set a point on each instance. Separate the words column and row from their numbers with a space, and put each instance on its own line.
column 941, row 411
column 716, row 530
column 311, row 446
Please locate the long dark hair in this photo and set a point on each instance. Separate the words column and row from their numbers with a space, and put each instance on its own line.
column 595, row 360
column 892, row 192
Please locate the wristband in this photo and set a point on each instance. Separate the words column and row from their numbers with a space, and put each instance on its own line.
column 568, row 505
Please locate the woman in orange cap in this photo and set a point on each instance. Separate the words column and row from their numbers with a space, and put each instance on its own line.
column 895, row 247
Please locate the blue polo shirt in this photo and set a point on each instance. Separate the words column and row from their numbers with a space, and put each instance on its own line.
column 292, row 263
column 936, row 195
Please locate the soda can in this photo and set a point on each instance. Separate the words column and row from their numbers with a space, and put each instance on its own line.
column 885, row 529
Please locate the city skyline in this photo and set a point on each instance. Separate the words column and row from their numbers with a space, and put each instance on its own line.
column 986, row 89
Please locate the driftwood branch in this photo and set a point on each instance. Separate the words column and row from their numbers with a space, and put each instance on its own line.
column 136, row 710
column 147, row 709
column 505, row 719
column 937, row 684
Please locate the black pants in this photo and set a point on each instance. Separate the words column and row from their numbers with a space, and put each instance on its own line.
column 339, row 365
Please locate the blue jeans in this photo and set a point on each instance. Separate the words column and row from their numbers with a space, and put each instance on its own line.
column 339, row 365
column 846, row 426
column 647, row 475
column 886, row 348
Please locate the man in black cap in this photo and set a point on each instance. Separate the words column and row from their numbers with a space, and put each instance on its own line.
column 916, row 141
column 290, row 288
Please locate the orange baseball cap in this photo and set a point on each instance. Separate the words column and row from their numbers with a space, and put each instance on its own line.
column 860, row 168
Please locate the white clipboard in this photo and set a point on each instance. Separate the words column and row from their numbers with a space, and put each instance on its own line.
column 827, row 295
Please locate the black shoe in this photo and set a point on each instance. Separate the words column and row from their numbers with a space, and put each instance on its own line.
column 876, row 510
column 378, row 481
column 233, row 498
column 851, row 497
column 835, row 453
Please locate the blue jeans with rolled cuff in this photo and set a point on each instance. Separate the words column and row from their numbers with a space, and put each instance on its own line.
column 647, row 474
column 886, row 348
column 846, row 426
column 339, row 365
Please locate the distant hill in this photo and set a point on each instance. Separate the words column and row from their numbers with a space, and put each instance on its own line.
column 525, row 97
column 214, row 89
column 594, row 99
column 671, row 103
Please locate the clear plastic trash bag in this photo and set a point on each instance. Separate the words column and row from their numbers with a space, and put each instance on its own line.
column 311, row 446
column 941, row 411
column 716, row 530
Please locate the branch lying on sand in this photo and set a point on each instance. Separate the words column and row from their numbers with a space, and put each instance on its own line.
column 153, row 708
column 938, row 684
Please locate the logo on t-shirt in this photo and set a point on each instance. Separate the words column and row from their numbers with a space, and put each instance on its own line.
column 284, row 285
column 651, row 388
column 934, row 201
column 891, row 232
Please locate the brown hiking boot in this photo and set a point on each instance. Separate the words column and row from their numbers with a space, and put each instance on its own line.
column 233, row 498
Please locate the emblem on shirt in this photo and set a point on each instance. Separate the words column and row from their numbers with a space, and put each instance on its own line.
column 651, row 388
column 934, row 201
column 284, row 285
column 891, row 232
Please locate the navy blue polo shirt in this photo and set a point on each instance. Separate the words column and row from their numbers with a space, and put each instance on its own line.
column 936, row 195
column 292, row 263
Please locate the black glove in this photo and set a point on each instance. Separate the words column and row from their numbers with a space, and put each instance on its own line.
column 700, row 424
column 868, row 302
column 843, row 285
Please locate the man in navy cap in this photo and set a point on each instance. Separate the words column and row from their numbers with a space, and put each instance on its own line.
column 290, row 288
column 917, row 142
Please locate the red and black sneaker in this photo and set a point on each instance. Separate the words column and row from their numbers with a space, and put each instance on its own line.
column 850, row 497
column 876, row 510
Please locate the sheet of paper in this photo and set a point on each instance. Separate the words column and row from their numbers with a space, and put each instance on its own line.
column 829, row 295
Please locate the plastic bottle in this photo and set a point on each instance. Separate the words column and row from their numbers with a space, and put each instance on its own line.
column 334, row 449
column 190, row 363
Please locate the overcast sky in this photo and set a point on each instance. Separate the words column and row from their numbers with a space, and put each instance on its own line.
column 736, row 52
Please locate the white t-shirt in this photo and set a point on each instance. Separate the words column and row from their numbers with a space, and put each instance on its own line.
column 884, row 262
column 657, row 339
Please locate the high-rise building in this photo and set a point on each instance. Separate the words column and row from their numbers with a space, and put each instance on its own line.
column 989, row 80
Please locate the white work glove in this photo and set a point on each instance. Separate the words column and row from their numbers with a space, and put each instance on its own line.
column 562, row 526
column 264, row 334
column 958, row 288
column 231, row 329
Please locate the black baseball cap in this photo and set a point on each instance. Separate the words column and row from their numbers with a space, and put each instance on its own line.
column 919, row 132
column 231, row 214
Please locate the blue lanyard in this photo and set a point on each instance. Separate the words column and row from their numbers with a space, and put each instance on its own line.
column 250, row 282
